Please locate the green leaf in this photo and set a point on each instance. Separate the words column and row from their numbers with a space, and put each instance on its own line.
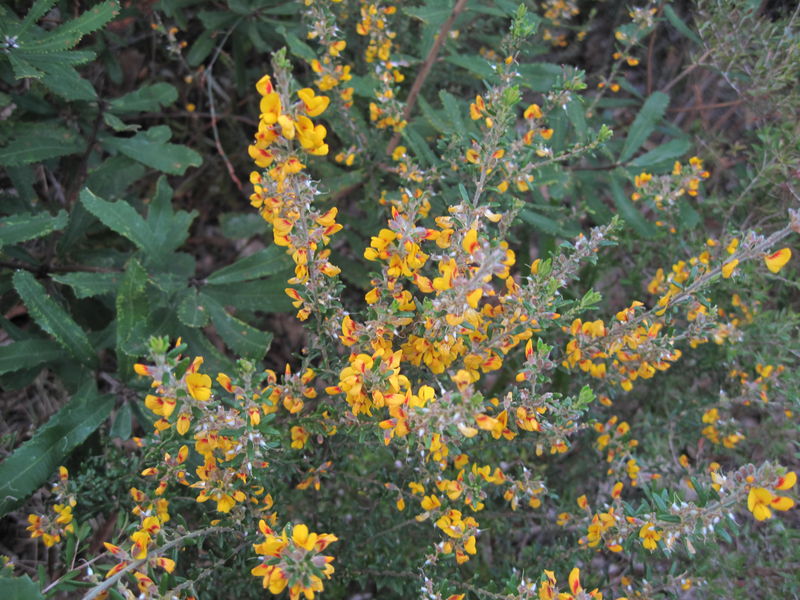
column 664, row 153
column 243, row 339
column 473, row 63
column 35, row 461
column 191, row 311
column 23, row 227
column 36, row 12
column 453, row 110
column 266, row 295
column 151, row 148
column 35, row 142
column 265, row 262
column 65, row 81
column 89, row 285
column 576, row 116
column 643, row 125
column 52, row 318
column 628, row 211
column 26, row 354
column 113, row 176
column 200, row 49
column 145, row 98
column 548, row 225
column 123, row 423
column 678, row 24
column 70, row 33
column 241, row 226
column 20, row 588
column 133, row 310
column 169, row 229
column 297, row 46
column 122, row 218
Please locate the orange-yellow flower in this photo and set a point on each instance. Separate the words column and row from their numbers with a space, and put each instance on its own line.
column 776, row 261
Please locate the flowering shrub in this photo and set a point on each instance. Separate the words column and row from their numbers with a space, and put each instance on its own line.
column 537, row 331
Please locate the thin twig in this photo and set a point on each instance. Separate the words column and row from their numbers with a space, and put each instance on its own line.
column 111, row 581
column 425, row 70
column 212, row 108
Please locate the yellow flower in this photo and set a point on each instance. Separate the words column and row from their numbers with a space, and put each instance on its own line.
column 314, row 105
column 270, row 108
column 776, row 261
column 650, row 536
column 728, row 267
column 199, row 386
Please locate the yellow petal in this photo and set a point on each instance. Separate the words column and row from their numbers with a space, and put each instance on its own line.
column 777, row 260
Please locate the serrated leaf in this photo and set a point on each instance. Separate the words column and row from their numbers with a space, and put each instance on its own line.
column 150, row 148
column 243, row 339
column 122, row 218
column 52, row 318
column 70, row 33
column 89, row 285
column 661, row 154
column 65, row 81
column 145, row 98
column 191, row 310
column 265, row 262
column 35, row 142
column 26, row 354
column 628, row 210
column 22, row 68
column 36, row 12
column 643, row 125
column 35, row 461
column 23, row 227
column 133, row 310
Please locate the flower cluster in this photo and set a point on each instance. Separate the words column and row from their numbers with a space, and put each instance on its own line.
column 293, row 558
column 51, row 528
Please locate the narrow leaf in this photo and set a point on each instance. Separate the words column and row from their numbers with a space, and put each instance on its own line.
column 629, row 212
column 243, row 339
column 120, row 217
column 664, row 153
column 89, row 285
column 35, row 461
column 27, row 354
column 132, row 310
column 643, row 125
column 151, row 149
column 22, row 227
column 52, row 318
column 265, row 262
column 71, row 32
column 35, row 142
column 145, row 98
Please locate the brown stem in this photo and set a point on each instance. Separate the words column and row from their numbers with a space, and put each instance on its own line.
column 425, row 70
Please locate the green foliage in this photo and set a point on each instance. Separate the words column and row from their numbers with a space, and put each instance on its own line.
column 33, row 463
